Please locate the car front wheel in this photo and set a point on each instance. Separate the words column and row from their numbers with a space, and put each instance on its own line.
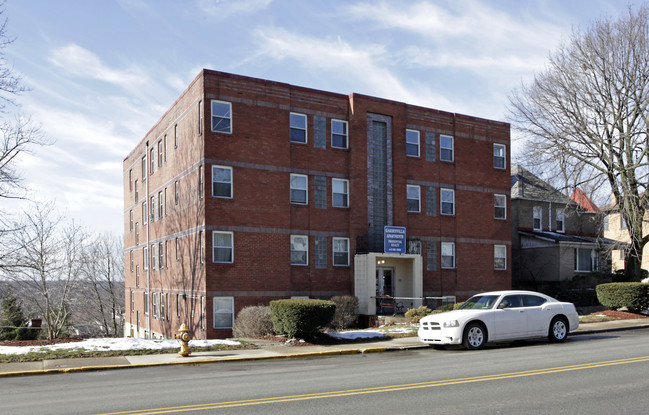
column 475, row 336
column 558, row 331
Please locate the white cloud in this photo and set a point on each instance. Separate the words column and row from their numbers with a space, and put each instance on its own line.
column 80, row 62
column 226, row 8
column 363, row 65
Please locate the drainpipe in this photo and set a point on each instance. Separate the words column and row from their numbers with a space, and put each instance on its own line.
column 148, row 223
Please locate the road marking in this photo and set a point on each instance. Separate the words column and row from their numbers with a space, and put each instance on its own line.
column 381, row 389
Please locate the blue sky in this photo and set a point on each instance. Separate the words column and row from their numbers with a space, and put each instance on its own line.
column 102, row 73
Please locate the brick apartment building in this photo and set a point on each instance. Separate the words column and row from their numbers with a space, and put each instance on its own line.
column 249, row 190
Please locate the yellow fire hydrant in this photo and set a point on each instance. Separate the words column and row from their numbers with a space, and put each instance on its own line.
column 184, row 338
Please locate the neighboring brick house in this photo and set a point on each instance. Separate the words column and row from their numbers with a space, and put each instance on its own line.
column 249, row 190
column 554, row 238
column 615, row 229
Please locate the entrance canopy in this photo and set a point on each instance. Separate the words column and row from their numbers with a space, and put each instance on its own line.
column 383, row 274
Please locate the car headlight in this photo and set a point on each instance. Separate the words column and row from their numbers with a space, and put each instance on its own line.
column 452, row 323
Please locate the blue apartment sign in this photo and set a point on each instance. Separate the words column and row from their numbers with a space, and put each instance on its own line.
column 394, row 240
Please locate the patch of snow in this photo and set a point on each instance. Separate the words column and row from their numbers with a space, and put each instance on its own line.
column 109, row 344
column 356, row 335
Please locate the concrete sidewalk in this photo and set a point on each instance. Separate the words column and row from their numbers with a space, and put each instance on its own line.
column 264, row 350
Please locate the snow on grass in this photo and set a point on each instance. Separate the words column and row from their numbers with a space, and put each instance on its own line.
column 110, row 344
column 358, row 335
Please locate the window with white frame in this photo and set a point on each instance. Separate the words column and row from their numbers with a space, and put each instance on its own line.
column 130, row 180
column 152, row 209
column 160, row 205
column 299, row 186
column 160, row 154
column 413, row 194
column 200, row 118
column 500, row 151
column 146, row 302
column 137, row 192
column 222, row 247
column 137, row 233
column 412, row 143
column 500, row 206
column 145, row 213
column 131, row 260
column 177, row 249
column 561, row 219
column 200, row 182
column 222, row 181
column 144, row 168
column 448, row 255
column 154, row 304
column 223, row 312
column 339, row 134
column 299, row 250
column 162, row 306
column 340, row 193
column 221, row 117
column 500, row 257
column 201, row 246
column 341, row 251
column 176, row 137
column 176, row 192
column 153, row 257
column 145, row 257
column 152, row 160
column 298, row 128
column 537, row 219
column 130, row 220
column 161, row 256
column 447, row 201
column 446, row 149
column 585, row 260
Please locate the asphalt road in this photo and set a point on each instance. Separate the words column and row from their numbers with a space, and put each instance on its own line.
column 600, row 374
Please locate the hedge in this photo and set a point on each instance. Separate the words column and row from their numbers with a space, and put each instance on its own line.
column 301, row 317
column 632, row 295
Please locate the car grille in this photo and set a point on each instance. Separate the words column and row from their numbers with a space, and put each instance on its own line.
column 432, row 325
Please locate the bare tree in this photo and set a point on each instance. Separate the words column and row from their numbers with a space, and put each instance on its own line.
column 101, row 292
column 46, row 264
column 589, row 109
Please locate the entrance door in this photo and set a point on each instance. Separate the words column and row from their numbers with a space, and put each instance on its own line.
column 384, row 281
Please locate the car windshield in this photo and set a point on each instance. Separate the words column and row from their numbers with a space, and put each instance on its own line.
column 479, row 302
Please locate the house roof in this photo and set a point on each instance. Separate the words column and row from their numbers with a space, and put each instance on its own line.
column 569, row 238
column 584, row 201
column 525, row 185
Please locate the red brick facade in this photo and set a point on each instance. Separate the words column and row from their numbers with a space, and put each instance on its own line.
column 259, row 218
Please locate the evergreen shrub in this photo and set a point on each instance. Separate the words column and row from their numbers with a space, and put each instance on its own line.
column 632, row 295
column 301, row 317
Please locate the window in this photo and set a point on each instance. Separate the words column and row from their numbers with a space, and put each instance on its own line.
column 137, row 275
column 500, row 257
column 130, row 180
column 146, row 303
column 200, row 117
column 223, row 309
column 165, row 144
column 560, row 220
column 176, row 136
column 165, row 201
column 130, row 220
column 413, row 194
column 448, row 255
column 178, row 305
column 202, row 313
column 299, row 193
column 176, row 192
column 412, row 143
column 132, row 301
column 160, row 205
column 298, row 128
column 136, row 191
column 222, row 247
column 152, row 159
column 145, row 213
column 201, row 247
column 500, row 150
column 341, row 251
column 622, row 222
column 606, row 222
column 167, row 254
column 137, row 233
column 221, row 117
column 585, row 260
column 537, row 223
column 222, row 181
column 152, row 209
column 299, row 250
column 153, row 257
column 447, row 199
column 500, row 206
column 161, row 256
column 131, row 260
column 145, row 257
column 340, row 193
column 144, row 168
column 154, row 304
column 339, row 134
column 162, row 306
column 160, row 154
column 446, row 148
column 177, row 249
column 200, row 182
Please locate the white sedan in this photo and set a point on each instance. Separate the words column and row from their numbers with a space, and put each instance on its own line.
column 500, row 316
